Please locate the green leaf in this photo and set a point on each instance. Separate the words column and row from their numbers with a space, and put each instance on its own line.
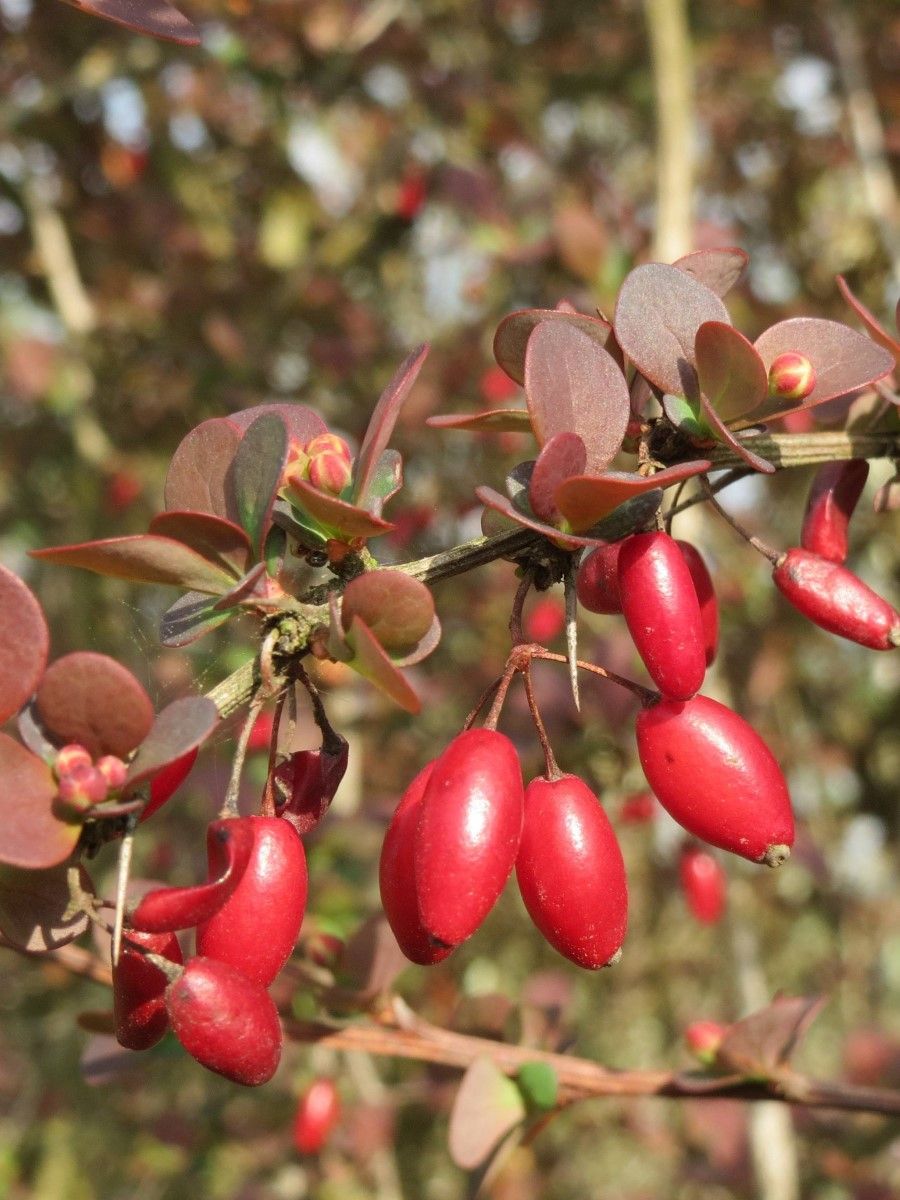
column 731, row 374
column 686, row 417
column 539, row 1084
column 256, row 474
column 142, row 558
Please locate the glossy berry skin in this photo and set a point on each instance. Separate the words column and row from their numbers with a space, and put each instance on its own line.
column 834, row 494
column 227, row 1022
column 831, row 596
column 467, row 835
column 571, row 873
column 318, row 1111
column 139, row 1007
column 662, row 611
column 597, row 581
column 716, row 777
column 397, row 878
column 706, row 597
column 256, row 927
column 231, row 842
column 703, row 883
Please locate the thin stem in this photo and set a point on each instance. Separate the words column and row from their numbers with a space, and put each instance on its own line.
column 757, row 543
column 551, row 768
column 646, row 695
column 125, row 854
column 515, row 617
column 506, row 679
column 230, row 803
column 482, row 701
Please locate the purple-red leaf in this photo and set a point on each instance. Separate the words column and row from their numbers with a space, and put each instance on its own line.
column 155, row 18
column 732, row 375
column 32, row 836
column 198, row 475
column 719, row 268
column 340, row 519
column 585, row 499
column 562, row 456
column 214, row 538
column 763, row 1042
column 370, row 661
column 382, row 421
column 181, row 727
column 397, row 609
column 876, row 330
column 252, row 587
column 844, row 360
column 658, row 313
column 724, row 434
column 498, row 420
column 93, row 700
column 256, row 474
column 574, row 386
column 143, row 558
column 302, row 423
column 488, row 1106
column 33, row 904
column 189, row 618
column 24, row 643
column 513, row 332
column 506, row 508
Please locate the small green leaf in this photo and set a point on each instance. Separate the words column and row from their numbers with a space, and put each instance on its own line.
column 539, row 1084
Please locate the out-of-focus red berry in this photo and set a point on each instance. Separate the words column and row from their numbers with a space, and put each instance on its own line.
column 261, row 733
column 546, row 620
column 410, row 195
column 121, row 490
column 318, row 1111
column 638, row 809
column 705, row 1038
column 704, row 884
column 496, row 386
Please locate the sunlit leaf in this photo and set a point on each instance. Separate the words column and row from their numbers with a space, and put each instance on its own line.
column 562, row 456
column 498, row 420
column 720, row 268
column 387, row 480
column 24, row 643
column 658, row 313
column 513, row 333
column 370, row 661
column 766, row 1040
column 220, row 541
column 256, row 474
column 92, row 699
column 340, row 519
column 382, row 421
column 302, row 423
column 154, row 18
column 505, row 507
column 738, row 445
column 32, row 904
column 198, row 475
column 875, row 328
column 143, row 558
column 189, row 618
column 179, row 728
column 397, row 609
column 32, row 836
column 731, row 373
column 488, row 1106
column 586, row 499
column 574, row 386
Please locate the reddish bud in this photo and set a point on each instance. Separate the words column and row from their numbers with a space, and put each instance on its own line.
column 637, row 809
column 329, row 443
column 167, row 781
column 661, row 609
column 597, row 582
column 330, row 472
column 705, row 1038
column 139, row 988
column 229, row 842
column 71, row 758
column 704, row 884
column 706, row 597
column 397, row 878
column 834, row 494
column 571, row 873
column 256, row 927
column 791, row 377
column 715, row 775
column 318, row 1111
column 113, row 770
column 468, row 833
column 227, row 1022
column 79, row 790
column 831, row 596
column 546, row 621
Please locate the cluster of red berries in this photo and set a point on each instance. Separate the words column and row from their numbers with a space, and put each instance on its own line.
column 461, row 827
column 247, row 917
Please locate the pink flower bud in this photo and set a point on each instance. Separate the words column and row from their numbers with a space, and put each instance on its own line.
column 113, row 770
column 705, row 1038
column 79, row 790
column 330, row 472
column 791, row 377
column 71, row 758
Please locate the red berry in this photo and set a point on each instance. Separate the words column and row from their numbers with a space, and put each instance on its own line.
column 704, row 884
column 715, row 775
column 121, row 490
column 139, row 988
column 468, row 833
column 261, row 734
column 71, row 758
column 227, row 1022
column 571, row 873
column 705, row 1038
column 706, row 597
column 831, row 596
column 662, row 611
column 230, row 841
column 410, row 195
column 597, row 582
column 113, row 770
column 397, row 879
column 496, row 386
column 318, row 1111
column 546, row 621
column 256, row 927
column 167, row 781
column 791, row 377
column 834, row 494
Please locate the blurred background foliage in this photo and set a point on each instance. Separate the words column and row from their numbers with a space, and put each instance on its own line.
column 282, row 214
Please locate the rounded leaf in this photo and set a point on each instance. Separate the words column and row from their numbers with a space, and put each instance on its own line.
column 731, row 373
column 513, row 333
column 198, row 476
column 585, row 499
column 562, row 456
column 398, row 609
column 24, row 643
column 32, row 835
column 93, row 700
column 177, row 731
column 719, row 268
column 33, row 904
column 488, row 1106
